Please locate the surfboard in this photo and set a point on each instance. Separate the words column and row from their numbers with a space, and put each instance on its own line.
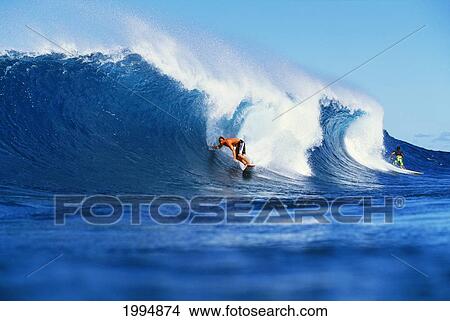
column 410, row 172
column 406, row 171
column 246, row 168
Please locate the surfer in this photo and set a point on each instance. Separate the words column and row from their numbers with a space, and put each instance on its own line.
column 397, row 155
column 237, row 147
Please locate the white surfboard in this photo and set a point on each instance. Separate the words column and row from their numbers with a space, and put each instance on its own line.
column 410, row 172
column 245, row 168
column 400, row 170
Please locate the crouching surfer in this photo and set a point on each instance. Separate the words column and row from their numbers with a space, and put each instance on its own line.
column 397, row 155
column 237, row 147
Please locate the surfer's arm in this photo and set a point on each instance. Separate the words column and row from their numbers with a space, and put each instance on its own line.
column 234, row 153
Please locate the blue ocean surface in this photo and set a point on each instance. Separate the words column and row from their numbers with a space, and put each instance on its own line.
column 89, row 124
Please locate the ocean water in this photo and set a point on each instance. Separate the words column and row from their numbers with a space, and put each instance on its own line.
column 134, row 123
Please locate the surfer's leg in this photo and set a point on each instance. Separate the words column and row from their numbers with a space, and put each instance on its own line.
column 240, row 150
column 247, row 161
column 401, row 162
column 242, row 159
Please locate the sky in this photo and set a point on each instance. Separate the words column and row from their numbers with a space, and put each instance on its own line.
column 325, row 38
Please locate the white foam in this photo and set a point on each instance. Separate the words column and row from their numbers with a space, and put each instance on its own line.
column 284, row 144
column 364, row 139
column 227, row 79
